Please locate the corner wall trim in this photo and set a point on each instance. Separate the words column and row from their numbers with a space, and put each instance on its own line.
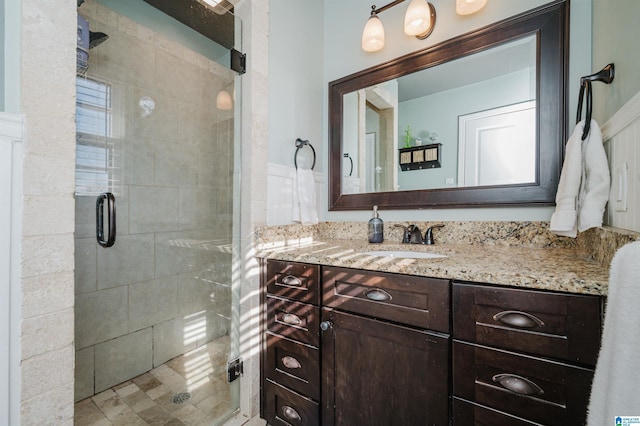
column 11, row 152
column 626, row 115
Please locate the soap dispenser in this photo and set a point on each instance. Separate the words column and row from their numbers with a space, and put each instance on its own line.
column 376, row 227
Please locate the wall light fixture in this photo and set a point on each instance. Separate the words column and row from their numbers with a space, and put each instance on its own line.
column 467, row 7
column 419, row 20
column 224, row 101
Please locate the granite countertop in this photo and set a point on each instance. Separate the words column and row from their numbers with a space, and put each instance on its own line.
column 565, row 269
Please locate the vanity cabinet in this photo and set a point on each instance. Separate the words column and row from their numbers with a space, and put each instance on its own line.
column 522, row 356
column 381, row 364
column 290, row 365
column 342, row 346
column 375, row 351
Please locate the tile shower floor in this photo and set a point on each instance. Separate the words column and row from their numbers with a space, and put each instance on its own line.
column 159, row 396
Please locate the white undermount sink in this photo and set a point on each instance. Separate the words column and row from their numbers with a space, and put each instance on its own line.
column 405, row 254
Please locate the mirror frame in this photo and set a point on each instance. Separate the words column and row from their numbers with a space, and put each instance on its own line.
column 550, row 24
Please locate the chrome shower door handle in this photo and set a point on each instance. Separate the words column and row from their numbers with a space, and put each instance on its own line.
column 111, row 219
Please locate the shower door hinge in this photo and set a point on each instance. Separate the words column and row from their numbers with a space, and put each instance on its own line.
column 238, row 61
column 235, row 368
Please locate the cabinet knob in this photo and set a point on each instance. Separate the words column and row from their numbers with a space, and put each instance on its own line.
column 290, row 362
column 291, row 319
column 326, row 325
column 518, row 319
column 292, row 281
column 378, row 295
column 290, row 413
column 517, row 384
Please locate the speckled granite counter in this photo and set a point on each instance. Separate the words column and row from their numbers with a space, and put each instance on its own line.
column 560, row 269
column 519, row 254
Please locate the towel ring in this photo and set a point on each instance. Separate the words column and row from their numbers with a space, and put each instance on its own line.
column 605, row 75
column 299, row 144
column 585, row 90
column 346, row 155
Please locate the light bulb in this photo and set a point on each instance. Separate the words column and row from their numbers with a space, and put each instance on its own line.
column 373, row 35
column 467, row 7
column 224, row 101
column 417, row 19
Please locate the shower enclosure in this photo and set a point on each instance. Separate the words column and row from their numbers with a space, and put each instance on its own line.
column 156, row 312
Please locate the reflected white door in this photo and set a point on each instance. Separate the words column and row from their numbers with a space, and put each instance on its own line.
column 498, row 146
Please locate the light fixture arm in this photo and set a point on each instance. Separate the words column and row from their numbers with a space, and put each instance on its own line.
column 375, row 11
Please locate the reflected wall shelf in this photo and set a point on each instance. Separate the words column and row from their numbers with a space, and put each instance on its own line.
column 420, row 157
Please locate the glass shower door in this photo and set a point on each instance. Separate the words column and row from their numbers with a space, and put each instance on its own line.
column 156, row 129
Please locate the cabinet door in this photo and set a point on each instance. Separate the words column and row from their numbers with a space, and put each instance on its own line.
column 294, row 320
column 537, row 389
column 561, row 326
column 283, row 407
column 416, row 301
column 293, row 364
column 378, row 373
column 297, row 281
column 466, row 413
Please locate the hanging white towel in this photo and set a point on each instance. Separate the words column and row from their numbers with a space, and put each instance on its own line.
column 564, row 219
column 616, row 386
column 583, row 190
column 350, row 185
column 304, row 197
column 594, row 188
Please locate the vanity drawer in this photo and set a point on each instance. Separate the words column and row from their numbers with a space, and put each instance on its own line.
column 287, row 408
column 298, row 281
column 466, row 413
column 418, row 301
column 295, row 320
column 557, row 325
column 294, row 365
column 535, row 389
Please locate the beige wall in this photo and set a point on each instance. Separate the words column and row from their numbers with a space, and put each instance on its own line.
column 255, row 132
column 48, row 103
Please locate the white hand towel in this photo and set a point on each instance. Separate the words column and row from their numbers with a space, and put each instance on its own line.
column 594, row 189
column 304, row 197
column 350, row 185
column 616, row 384
column 564, row 219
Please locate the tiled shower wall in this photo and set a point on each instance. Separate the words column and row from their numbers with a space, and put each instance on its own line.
column 165, row 286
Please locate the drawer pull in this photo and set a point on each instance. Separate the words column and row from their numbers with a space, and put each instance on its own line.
column 290, row 413
column 517, row 384
column 378, row 295
column 291, row 319
column 292, row 281
column 518, row 319
column 290, row 362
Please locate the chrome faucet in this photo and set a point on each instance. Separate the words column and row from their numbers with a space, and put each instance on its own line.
column 428, row 236
column 408, row 233
column 412, row 235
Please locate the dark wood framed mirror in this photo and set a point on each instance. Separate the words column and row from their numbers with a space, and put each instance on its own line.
column 546, row 29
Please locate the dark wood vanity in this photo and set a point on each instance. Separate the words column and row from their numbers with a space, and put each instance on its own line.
column 357, row 347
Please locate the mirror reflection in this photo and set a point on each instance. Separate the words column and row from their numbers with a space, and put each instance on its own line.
column 464, row 123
